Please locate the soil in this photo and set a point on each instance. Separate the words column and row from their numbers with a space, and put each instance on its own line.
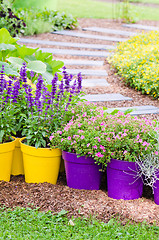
column 86, row 202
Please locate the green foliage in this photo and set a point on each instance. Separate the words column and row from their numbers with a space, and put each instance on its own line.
column 13, row 56
column 40, row 21
column 21, row 223
column 137, row 61
column 10, row 20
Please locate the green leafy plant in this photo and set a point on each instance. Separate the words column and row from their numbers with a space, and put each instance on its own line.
column 10, row 20
column 13, row 55
column 40, row 21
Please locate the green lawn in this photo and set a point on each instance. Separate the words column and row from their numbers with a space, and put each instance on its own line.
column 91, row 9
column 20, row 223
column 146, row 1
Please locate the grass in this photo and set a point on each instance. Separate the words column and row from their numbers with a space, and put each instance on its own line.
column 145, row 1
column 23, row 223
column 52, row 4
column 91, row 9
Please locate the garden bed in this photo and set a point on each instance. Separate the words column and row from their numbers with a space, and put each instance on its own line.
column 46, row 196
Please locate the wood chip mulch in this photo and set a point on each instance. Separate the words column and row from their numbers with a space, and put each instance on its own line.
column 81, row 203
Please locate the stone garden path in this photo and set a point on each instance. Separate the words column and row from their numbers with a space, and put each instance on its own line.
column 94, row 73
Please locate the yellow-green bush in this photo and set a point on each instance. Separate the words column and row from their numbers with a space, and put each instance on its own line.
column 137, row 61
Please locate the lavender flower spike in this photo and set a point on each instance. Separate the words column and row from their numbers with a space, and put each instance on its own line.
column 2, row 80
column 79, row 80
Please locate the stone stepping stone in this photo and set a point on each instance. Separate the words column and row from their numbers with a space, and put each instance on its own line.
column 76, row 52
column 139, row 26
column 137, row 110
column 82, row 62
column 111, row 31
column 88, row 72
column 108, row 97
column 67, row 44
column 84, row 35
column 94, row 83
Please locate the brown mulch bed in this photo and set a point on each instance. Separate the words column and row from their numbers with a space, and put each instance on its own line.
column 84, row 202
column 81, row 203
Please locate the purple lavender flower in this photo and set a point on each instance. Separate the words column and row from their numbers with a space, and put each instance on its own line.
column 15, row 91
column 38, row 93
column 39, row 87
column 61, row 87
column 30, row 98
column 2, row 80
column 23, row 74
column 54, row 86
column 79, row 80
column 67, row 78
column 9, row 90
column 32, row 74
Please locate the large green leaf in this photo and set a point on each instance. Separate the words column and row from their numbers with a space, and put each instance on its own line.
column 48, row 77
column 25, row 51
column 37, row 66
column 43, row 56
column 4, row 47
column 29, row 58
column 56, row 65
column 5, row 37
column 9, row 70
column 17, row 62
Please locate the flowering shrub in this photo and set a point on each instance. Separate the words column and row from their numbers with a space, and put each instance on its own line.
column 137, row 61
column 38, row 111
column 116, row 136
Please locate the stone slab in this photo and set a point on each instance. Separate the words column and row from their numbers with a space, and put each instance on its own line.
column 88, row 72
column 91, row 36
column 139, row 26
column 109, row 31
column 137, row 110
column 75, row 52
column 94, row 83
column 82, row 62
column 67, row 44
column 108, row 97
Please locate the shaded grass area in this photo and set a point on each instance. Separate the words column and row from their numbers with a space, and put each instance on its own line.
column 21, row 223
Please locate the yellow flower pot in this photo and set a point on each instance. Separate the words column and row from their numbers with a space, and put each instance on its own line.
column 6, row 155
column 17, row 162
column 41, row 164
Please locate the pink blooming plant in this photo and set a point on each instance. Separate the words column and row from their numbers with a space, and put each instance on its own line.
column 102, row 137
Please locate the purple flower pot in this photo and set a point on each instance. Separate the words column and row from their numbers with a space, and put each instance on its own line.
column 81, row 172
column 122, row 180
column 156, row 190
